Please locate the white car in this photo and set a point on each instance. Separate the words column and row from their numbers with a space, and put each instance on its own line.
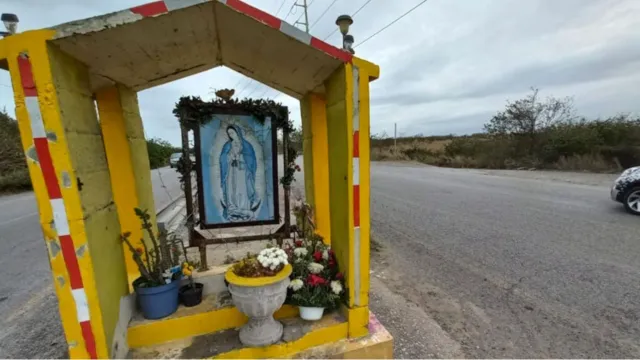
column 626, row 189
column 173, row 159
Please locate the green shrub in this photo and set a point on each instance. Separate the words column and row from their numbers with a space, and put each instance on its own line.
column 15, row 181
column 159, row 152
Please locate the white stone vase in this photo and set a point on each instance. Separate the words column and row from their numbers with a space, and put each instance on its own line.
column 311, row 313
column 259, row 298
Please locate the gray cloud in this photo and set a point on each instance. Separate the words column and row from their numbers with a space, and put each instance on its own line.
column 445, row 68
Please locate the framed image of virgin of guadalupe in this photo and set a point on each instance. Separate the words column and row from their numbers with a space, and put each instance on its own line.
column 237, row 169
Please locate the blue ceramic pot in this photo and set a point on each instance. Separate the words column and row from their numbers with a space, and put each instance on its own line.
column 158, row 301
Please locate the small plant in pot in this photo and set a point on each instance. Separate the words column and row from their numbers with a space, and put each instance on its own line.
column 258, row 286
column 190, row 294
column 157, row 287
column 316, row 283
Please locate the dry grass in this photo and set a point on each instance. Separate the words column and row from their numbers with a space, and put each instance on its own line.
column 407, row 150
column 590, row 162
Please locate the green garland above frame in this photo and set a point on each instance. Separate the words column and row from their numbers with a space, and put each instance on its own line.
column 192, row 111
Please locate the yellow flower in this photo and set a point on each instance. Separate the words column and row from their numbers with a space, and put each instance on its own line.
column 186, row 272
column 191, row 267
column 186, row 264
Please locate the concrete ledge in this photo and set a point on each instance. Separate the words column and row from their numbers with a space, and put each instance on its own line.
column 299, row 335
column 215, row 313
column 326, row 338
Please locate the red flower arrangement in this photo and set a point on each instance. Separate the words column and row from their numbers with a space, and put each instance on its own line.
column 315, row 280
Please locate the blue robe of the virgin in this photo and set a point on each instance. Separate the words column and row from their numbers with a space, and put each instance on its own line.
column 245, row 165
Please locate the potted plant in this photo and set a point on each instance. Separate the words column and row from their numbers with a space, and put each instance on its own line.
column 157, row 287
column 190, row 294
column 258, row 286
column 316, row 283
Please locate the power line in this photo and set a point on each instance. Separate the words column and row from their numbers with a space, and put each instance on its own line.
column 290, row 9
column 254, row 88
column 352, row 15
column 245, row 86
column 264, row 93
column 324, row 12
column 280, row 8
column 238, row 82
column 391, row 23
column 361, row 7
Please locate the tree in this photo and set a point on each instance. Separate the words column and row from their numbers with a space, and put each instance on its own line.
column 159, row 152
column 529, row 116
column 11, row 153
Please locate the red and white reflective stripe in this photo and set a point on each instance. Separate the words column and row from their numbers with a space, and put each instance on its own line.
column 161, row 7
column 356, row 183
column 288, row 29
column 57, row 203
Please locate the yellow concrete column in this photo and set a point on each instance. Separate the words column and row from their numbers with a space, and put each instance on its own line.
column 315, row 152
column 126, row 150
column 68, row 168
column 347, row 114
column 344, row 223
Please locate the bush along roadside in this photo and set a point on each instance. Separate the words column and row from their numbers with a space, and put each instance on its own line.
column 14, row 175
column 530, row 133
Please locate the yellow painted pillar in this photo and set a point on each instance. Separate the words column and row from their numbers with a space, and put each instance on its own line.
column 347, row 113
column 315, row 152
column 126, row 151
column 68, row 168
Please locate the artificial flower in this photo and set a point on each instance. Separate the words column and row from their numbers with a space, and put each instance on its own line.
column 336, row 287
column 317, row 255
column 296, row 284
column 315, row 268
column 315, row 280
column 298, row 243
column 325, row 255
column 301, row 252
column 339, row 276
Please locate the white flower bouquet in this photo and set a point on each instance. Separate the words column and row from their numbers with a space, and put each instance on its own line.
column 268, row 262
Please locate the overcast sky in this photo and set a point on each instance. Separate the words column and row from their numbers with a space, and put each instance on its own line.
column 445, row 68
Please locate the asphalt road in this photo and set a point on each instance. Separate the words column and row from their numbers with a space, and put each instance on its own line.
column 504, row 264
column 30, row 324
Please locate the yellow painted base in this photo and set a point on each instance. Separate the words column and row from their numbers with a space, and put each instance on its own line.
column 378, row 344
column 330, row 329
column 206, row 318
column 326, row 338
column 358, row 319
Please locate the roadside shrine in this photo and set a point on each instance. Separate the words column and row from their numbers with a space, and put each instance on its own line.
column 89, row 165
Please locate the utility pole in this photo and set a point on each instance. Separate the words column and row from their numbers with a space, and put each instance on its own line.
column 395, row 138
column 306, row 16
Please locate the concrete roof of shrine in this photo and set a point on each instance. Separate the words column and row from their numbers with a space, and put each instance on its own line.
column 162, row 41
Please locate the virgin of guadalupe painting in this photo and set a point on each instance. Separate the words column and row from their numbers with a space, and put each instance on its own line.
column 237, row 171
